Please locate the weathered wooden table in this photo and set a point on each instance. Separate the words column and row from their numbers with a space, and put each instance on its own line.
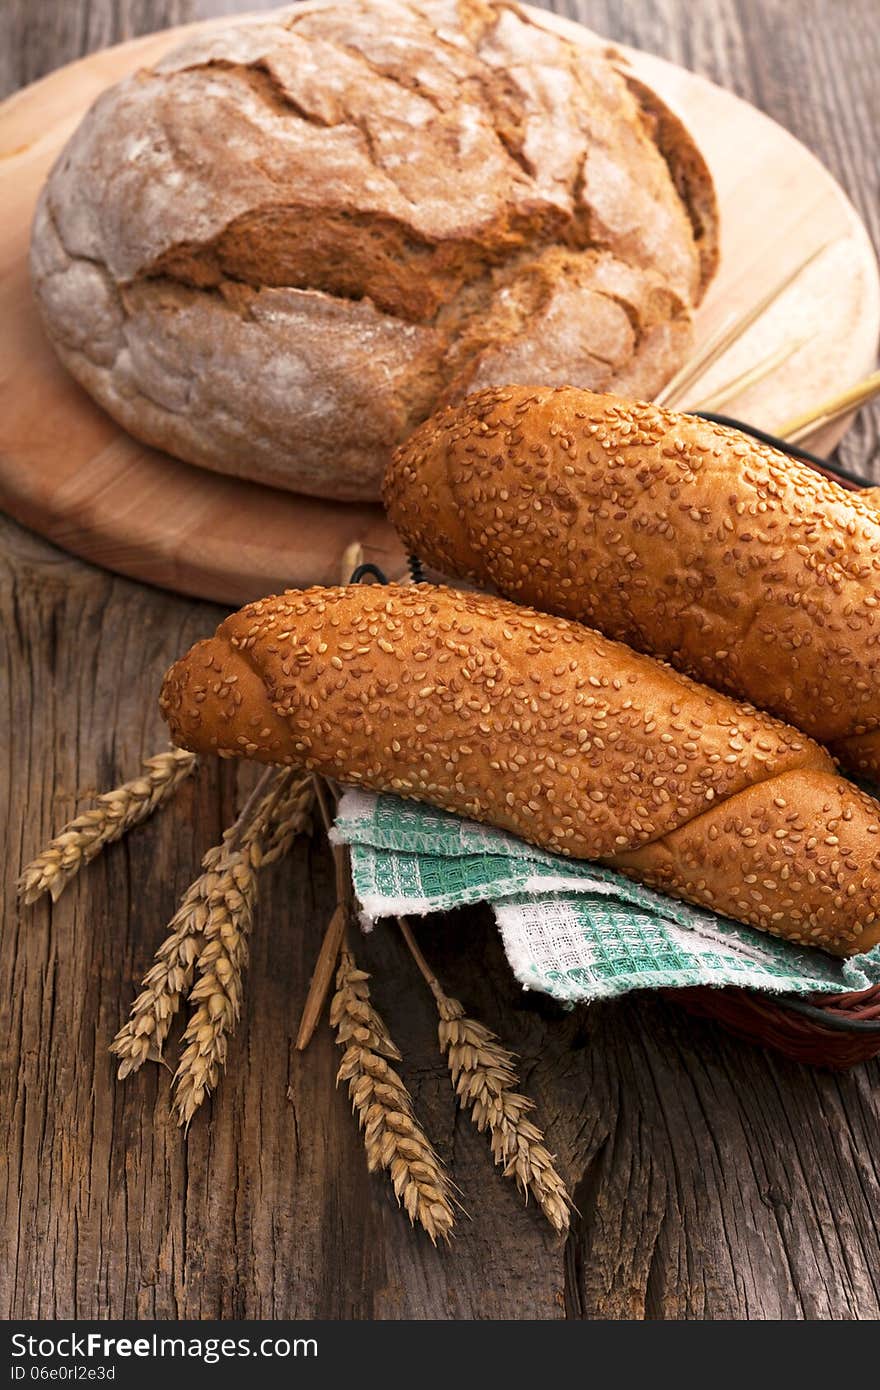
column 712, row 1180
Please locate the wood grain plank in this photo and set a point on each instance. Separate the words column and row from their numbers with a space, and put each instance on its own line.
column 37, row 36
column 713, row 1180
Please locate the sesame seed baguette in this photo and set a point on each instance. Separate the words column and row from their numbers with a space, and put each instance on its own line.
column 551, row 731
column 744, row 568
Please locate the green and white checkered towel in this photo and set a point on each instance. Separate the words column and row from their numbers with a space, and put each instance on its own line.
column 570, row 928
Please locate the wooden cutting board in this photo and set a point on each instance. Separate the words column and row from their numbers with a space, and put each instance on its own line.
column 70, row 473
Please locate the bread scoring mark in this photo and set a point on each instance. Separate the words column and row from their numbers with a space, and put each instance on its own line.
column 450, row 262
column 499, row 108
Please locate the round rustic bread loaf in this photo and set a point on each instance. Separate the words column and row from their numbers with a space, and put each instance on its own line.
column 278, row 250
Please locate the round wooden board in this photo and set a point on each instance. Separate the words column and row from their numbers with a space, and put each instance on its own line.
column 70, row 473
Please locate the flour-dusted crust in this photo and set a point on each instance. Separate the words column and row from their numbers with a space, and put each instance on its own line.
column 278, row 250
column 548, row 730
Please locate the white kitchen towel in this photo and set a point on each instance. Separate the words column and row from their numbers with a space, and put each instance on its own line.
column 572, row 929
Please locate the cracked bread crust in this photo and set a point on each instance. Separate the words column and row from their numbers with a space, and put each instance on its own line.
column 278, row 250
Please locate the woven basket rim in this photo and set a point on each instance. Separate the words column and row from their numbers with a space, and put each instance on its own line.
column 824, row 1016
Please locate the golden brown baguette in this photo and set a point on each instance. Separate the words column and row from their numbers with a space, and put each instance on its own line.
column 550, row 731
column 744, row 568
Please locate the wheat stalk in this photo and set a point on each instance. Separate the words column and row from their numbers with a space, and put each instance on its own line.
column 116, row 813
column 334, row 934
column 393, row 1138
column 170, row 977
column 749, row 378
column 260, row 835
column 814, row 419
column 729, row 332
column 484, row 1077
column 207, row 937
column 291, row 818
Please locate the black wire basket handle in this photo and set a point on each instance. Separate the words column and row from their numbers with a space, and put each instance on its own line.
column 831, row 470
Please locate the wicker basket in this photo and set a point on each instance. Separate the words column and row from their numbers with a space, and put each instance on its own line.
column 836, row 1032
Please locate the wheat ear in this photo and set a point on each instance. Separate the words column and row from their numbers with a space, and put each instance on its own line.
column 117, row 811
column 143, row 1036
column 484, row 1076
column 256, row 840
column 393, row 1138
